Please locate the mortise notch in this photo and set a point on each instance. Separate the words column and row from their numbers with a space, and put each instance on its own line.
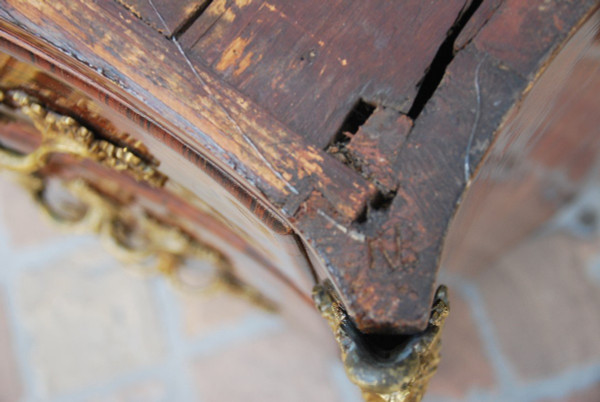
column 358, row 115
column 368, row 142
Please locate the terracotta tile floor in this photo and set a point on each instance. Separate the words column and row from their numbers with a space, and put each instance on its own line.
column 74, row 326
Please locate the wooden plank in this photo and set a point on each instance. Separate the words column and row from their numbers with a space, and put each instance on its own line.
column 190, row 101
column 168, row 17
column 480, row 17
column 309, row 62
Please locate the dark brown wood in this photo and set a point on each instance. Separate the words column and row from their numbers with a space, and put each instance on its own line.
column 317, row 59
column 168, row 17
column 198, row 104
column 361, row 124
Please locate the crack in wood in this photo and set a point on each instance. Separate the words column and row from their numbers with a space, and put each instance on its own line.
column 186, row 24
column 137, row 14
column 444, row 56
column 167, row 27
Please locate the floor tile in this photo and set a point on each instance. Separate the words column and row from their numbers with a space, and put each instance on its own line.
column 87, row 321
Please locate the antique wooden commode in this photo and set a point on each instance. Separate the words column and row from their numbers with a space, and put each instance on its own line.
column 321, row 147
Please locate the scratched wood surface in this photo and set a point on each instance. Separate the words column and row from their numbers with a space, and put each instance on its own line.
column 168, row 17
column 317, row 59
column 359, row 123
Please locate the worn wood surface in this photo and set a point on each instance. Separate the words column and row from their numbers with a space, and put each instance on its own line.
column 359, row 123
column 168, row 17
column 317, row 59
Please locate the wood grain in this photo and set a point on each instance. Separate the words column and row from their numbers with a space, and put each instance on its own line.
column 191, row 102
column 250, row 88
column 307, row 63
column 168, row 17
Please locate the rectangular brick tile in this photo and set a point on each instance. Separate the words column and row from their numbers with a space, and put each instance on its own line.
column 464, row 365
column 205, row 313
column 22, row 218
column 285, row 366
column 147, row 391
column 591, row 394
column 543, row 306
column 10, row 384
column 87, row 321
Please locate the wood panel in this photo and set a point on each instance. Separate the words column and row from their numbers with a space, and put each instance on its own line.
column 309, row 62
column 210, row 117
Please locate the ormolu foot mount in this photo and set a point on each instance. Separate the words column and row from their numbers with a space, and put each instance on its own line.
column 387, row 368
